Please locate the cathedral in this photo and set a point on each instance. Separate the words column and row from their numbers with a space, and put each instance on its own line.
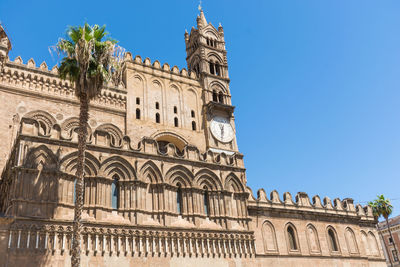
column 165, row 183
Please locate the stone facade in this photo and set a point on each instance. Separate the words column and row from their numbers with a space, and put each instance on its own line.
column 165, row 183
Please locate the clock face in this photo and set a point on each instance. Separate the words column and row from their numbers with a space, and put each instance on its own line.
column 221, row 129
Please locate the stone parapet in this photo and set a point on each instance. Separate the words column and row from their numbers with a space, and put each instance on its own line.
column 302, row 204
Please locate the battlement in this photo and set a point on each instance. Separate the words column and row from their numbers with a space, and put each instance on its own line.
column 302, row 203
column 165, row 68
column 29, row 78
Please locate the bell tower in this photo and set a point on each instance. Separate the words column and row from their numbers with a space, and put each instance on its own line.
column 206, row 56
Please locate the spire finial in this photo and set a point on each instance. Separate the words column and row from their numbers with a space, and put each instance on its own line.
column 200, row 8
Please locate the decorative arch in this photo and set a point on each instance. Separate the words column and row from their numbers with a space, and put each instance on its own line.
column 312, row 238
column 233, row 184
column 207, row 178
column 214, row 56
column 351, row 241
column 365, row 242
column 69, row 163
column 218, row 86
column 211, row 31
column 41, row 156
column 115, row 134
column 71, row 125
column 44, row 119
column 150, row 173
column 332, row 238
column 119, row 166
column 373, row 244
column 171, row 137
column 269, row 237
column 179, row 174
column 292, row 239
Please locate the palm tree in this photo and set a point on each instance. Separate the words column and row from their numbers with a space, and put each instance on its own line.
column 382, row 207
column 89, row 61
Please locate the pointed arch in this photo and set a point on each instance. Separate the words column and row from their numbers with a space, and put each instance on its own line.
column 119, row 166
column 332, row 238
column 269, row 237
column 373, row 244
column 115, row 134
column 179, row 174
column 365, row 242
column 149, row 172
column 233, row 184
column 69, row 163
column 44, row 119
column 207, row 178
column 351, row 241
column 292, row 239
column 313, row 239
column 41, row 155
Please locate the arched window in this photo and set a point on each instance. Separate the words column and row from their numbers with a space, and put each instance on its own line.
column 157, row 105
column 220, row 97
column 212, row 68
column 292, row 238
column 215, row 96
column 115, row 193
column 217, row 69
column 157, row 117
column 208, row 41
column 175, row 109
column 193, row 125
column 192, row 114
column 332, row 240
column 138, row 113
column 206, row 202
column 137, row 101
column 176, row 122
column 179, row 203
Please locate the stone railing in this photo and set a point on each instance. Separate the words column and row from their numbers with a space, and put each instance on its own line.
column 130, row 242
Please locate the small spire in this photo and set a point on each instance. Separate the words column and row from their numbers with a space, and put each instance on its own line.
column 203, row 18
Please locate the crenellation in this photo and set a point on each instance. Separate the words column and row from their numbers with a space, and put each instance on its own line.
column 345, row 207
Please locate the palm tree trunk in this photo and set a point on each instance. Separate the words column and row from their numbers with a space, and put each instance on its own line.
column 82, row 136
column 390, row 233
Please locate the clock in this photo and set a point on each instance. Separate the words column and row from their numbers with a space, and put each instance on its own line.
column 221, row 129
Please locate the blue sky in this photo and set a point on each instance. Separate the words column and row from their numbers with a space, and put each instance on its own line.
column 316, row 84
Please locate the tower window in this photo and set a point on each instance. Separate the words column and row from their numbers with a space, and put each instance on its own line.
column 115, row 193
column 208, row 41
column 138, row 114
column 175, row 109
column 176, row 122
column 192, row 114
column 157, row 117
column 193, row 125
column 212, row 68
column 137, row 101
column 179, row 203
column 217, row 69
column 220, row 97
column 215, row 96
column 292, row 238
column 157, row 105
column 206, row 202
